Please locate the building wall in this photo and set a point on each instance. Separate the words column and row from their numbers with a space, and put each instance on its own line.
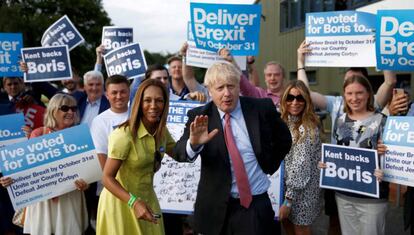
column 282, row 47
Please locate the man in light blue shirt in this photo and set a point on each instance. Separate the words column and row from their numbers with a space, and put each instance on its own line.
column 259, row 142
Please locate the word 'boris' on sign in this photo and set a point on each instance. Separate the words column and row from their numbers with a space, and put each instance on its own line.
column 114, row 37
column 62, row 32
column 47, row 63
column 340, row 39
column 349, row 169
column 341, row 23
column 128, row 60
column 396, row 34
column 235, row 27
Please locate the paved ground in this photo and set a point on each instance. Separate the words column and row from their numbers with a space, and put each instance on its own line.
column 394, row 224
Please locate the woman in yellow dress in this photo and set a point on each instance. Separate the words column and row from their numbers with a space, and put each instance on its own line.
column 128, row 203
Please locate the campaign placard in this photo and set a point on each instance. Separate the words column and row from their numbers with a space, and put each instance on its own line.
column 340, row 39
column 47, row 166
column 47, row 63
column 128, row 60
column 205, row 59
column 114, row 37
column 349, row 169
column 395, row 40
column 10, row 46
column 62, row 32
column 11, row 129
column 398, row 162
column 176, row 183
column 235, row 27
column 276, row 190
column 33, row 114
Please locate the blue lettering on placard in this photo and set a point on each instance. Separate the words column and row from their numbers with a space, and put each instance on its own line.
column 399, row 131
column 395, row 50
column 339, row 23
column 45, row 149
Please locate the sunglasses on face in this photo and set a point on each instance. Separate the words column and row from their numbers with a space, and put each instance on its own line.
column 157, row 160
column 298, row 98
column 66, row 108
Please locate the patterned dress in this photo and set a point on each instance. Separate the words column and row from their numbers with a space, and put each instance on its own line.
column 361, row 134
column 302, row 176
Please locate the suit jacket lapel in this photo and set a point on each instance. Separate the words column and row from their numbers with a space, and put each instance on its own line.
column 251, row 117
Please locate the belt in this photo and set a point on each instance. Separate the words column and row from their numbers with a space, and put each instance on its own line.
column 258, row 196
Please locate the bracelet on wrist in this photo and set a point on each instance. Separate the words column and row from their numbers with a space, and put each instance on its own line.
column 131, row 200
column 287, row 203
column 301, row 69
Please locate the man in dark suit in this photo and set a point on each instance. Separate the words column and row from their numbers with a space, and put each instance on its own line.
column 240, row 140
column 92, row 101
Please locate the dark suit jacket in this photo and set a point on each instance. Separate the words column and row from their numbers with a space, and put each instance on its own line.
column 81, row 98
column 271, row 141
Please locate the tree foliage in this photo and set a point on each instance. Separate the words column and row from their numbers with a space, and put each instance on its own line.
column 33, row 17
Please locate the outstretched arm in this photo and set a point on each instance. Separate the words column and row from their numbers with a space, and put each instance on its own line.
column 384, row 93
column 253, row 74
column 318, row 99
column 188, row 72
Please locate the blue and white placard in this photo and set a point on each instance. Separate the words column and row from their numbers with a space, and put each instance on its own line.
column 176, row 183
column 128, row 60
column 62, row 32
column 235, row 27
column 10, row 46
column 47, row 166
column 349, row 169
column 47, row 63
column 11, row 129
column 340, row 39
column 204, row 59
column 395, row 40
column 398, row 162
column 114, row 37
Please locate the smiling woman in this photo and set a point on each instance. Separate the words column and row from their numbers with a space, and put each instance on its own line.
column 128, row 204
column 302, row 196
column 361, row 126
column 65, row 214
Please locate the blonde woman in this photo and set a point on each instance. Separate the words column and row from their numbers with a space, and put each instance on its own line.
column 66, row 214
column 302, row 194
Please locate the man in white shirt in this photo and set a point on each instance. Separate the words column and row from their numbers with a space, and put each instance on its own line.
column 117, row 93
